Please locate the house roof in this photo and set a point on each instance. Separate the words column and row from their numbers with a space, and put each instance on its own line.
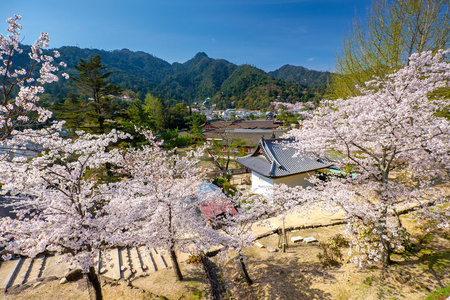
column 243, row 124
column 213, row 208
column 251, row 136
column 275, row 158
column 216, row 208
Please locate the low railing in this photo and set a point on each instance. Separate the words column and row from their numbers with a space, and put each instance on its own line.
column 222, row 173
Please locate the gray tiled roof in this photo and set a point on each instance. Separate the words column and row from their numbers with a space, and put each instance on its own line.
column 244, row 124
column 275, row 158
column 250, row 136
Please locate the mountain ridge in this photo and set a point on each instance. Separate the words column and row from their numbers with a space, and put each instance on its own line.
column 227, row 84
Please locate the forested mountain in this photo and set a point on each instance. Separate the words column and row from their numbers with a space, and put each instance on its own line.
column 201, row 77
column 301, row 75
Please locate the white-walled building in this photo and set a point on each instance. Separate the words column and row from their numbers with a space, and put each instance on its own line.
column 273, row 162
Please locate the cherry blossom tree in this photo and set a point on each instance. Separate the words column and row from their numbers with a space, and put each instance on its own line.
column 164, row 210
column 60, row 208
column 19, row 108
column 298, row 106
column 390, row 145
column 291, row 113
column 234, row 226
column 251, row 208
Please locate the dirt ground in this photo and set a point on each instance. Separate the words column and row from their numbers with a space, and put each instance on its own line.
column 296, row 274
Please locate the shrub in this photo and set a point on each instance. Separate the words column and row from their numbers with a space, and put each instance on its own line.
column 228, row 177
column 227, row 187
column 194, row 259
column 332, row 255
column 219, row 181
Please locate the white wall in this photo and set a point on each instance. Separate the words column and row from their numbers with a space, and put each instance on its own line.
column 260, row 184
column 263, row 185
column 295, row 180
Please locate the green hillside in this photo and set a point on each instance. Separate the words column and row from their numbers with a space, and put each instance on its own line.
column 227, row 84
column 301, row 75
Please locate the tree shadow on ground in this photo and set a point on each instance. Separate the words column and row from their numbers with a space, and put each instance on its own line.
column 282, row 279
column 426, row 271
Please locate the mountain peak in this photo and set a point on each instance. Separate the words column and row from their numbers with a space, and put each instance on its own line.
column 200, row 55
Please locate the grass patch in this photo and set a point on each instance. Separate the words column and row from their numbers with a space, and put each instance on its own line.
column 440, row 294
column 426, row 238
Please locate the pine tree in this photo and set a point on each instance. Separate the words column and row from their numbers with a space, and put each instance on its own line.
column 72, row 111
column 92, row 82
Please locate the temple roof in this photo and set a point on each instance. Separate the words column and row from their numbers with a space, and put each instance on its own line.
column 276, row 158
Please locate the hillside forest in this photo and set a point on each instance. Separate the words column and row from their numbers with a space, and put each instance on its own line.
column 227, row 85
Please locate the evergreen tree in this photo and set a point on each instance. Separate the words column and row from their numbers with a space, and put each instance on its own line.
column 176, row 116
column 195, row 122
column 92, row 82
column 156, row 111
column 72, row 111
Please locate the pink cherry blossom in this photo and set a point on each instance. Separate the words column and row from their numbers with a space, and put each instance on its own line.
column 19, row 116
column 390, row 145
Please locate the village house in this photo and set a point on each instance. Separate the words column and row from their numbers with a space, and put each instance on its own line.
column 212, row 208
column 218, row 124
column 249, row 131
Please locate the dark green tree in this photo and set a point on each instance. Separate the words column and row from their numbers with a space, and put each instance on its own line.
column 176, row 115
column 92, row 83
column 72, row 110
column 135, row 117
column 172, row 139
column 195, row 122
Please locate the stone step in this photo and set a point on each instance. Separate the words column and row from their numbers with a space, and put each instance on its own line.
column 5, row 271
column 8, row 272
column 109, row 264
column 136, row 262
column 115, row 263
column 55, row 267
column 22, row 274
column 148, row 259
column 36, row 269
column 124, row 263
column 160, row 260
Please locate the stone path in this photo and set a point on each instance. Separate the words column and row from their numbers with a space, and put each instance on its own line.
column 113, row 263
column 314, row 218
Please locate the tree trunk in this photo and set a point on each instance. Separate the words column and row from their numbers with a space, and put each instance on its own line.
column 228, row 162
column 93, row 278
column 101, row 126
column 385, row 243
column 386, row 252
column 176, row 266
column 244, row 270
column 284, row 238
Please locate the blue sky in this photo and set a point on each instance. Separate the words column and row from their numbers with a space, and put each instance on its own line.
column 265, row 33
